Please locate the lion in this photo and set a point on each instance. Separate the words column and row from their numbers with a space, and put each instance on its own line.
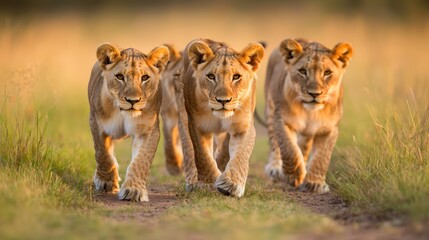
column 170, row 115
column 216, row 95
column 124, row 93
column 304, row 105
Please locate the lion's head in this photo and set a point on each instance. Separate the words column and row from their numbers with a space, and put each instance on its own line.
column 170, row 74
column 224, row 77
column 132, row 77
column 314, row 71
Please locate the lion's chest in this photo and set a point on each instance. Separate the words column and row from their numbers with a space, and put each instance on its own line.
column 312, row 123
column 118, row 126
column 213, row 124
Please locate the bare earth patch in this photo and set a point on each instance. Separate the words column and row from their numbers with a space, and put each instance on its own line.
column 160, row 199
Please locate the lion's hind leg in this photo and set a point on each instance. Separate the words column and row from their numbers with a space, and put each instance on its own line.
column 318, row 164
column 172, row 148
column 221, row 150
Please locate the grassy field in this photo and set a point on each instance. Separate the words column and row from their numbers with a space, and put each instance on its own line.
column 380, row 164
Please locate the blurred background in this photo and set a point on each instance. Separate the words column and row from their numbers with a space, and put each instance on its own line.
column 54, row 43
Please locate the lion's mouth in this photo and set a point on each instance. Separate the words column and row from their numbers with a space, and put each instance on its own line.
column 312, row 102
column 223, row 113
column 222, row 110
column 131, row 112
column 129, row 109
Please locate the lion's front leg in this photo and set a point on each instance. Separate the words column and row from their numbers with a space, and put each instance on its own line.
column 233, row 180
column 274, row 166
column 106, row 177
column 319, row 162
column 191, row 174
column 144, row 148
column 293, row 161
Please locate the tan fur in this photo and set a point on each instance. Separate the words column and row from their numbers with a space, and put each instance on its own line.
column 303, row 128
column 170, row 117
column 211, row 102
column 125, row 95
column 169, row 113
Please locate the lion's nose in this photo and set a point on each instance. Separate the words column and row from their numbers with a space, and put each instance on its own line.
column 223, row 100
column 314, row 93
column 132, row 101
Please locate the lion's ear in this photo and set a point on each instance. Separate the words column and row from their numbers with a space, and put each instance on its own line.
column 342, row 52
column 159, row 57
column 174, row 53
column 290, row 50
column 252, row 55
column 107, row 54
column 199, row 52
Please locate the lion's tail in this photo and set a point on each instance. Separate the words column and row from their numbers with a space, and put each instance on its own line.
column 259, row 119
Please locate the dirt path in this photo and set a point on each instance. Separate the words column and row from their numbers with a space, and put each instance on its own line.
column 355, row 226
column 161, row 198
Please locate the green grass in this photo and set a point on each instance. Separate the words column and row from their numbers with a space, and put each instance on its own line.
column 38, row 180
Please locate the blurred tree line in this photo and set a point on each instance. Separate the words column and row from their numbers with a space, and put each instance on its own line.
column 403, row 9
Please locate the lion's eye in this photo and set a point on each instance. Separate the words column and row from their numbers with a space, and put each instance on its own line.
column 145, row 78
column 236, row 77
column 211, row 76
column 327, row 73
column 119, row 77
column 302, row 71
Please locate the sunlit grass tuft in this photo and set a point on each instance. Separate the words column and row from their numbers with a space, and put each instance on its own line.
column 37, row 179
column 390, row 173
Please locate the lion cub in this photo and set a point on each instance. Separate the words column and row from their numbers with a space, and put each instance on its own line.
column 169, row 113
column 124, row 94
column 217, row 95
column 170, row 117
column 304, row 105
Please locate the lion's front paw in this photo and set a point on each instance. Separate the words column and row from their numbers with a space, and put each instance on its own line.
column 190, row 187
column 228, row 187
column 106, row 184
column 274, row 171
column 133, row 193
column 313, row 186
